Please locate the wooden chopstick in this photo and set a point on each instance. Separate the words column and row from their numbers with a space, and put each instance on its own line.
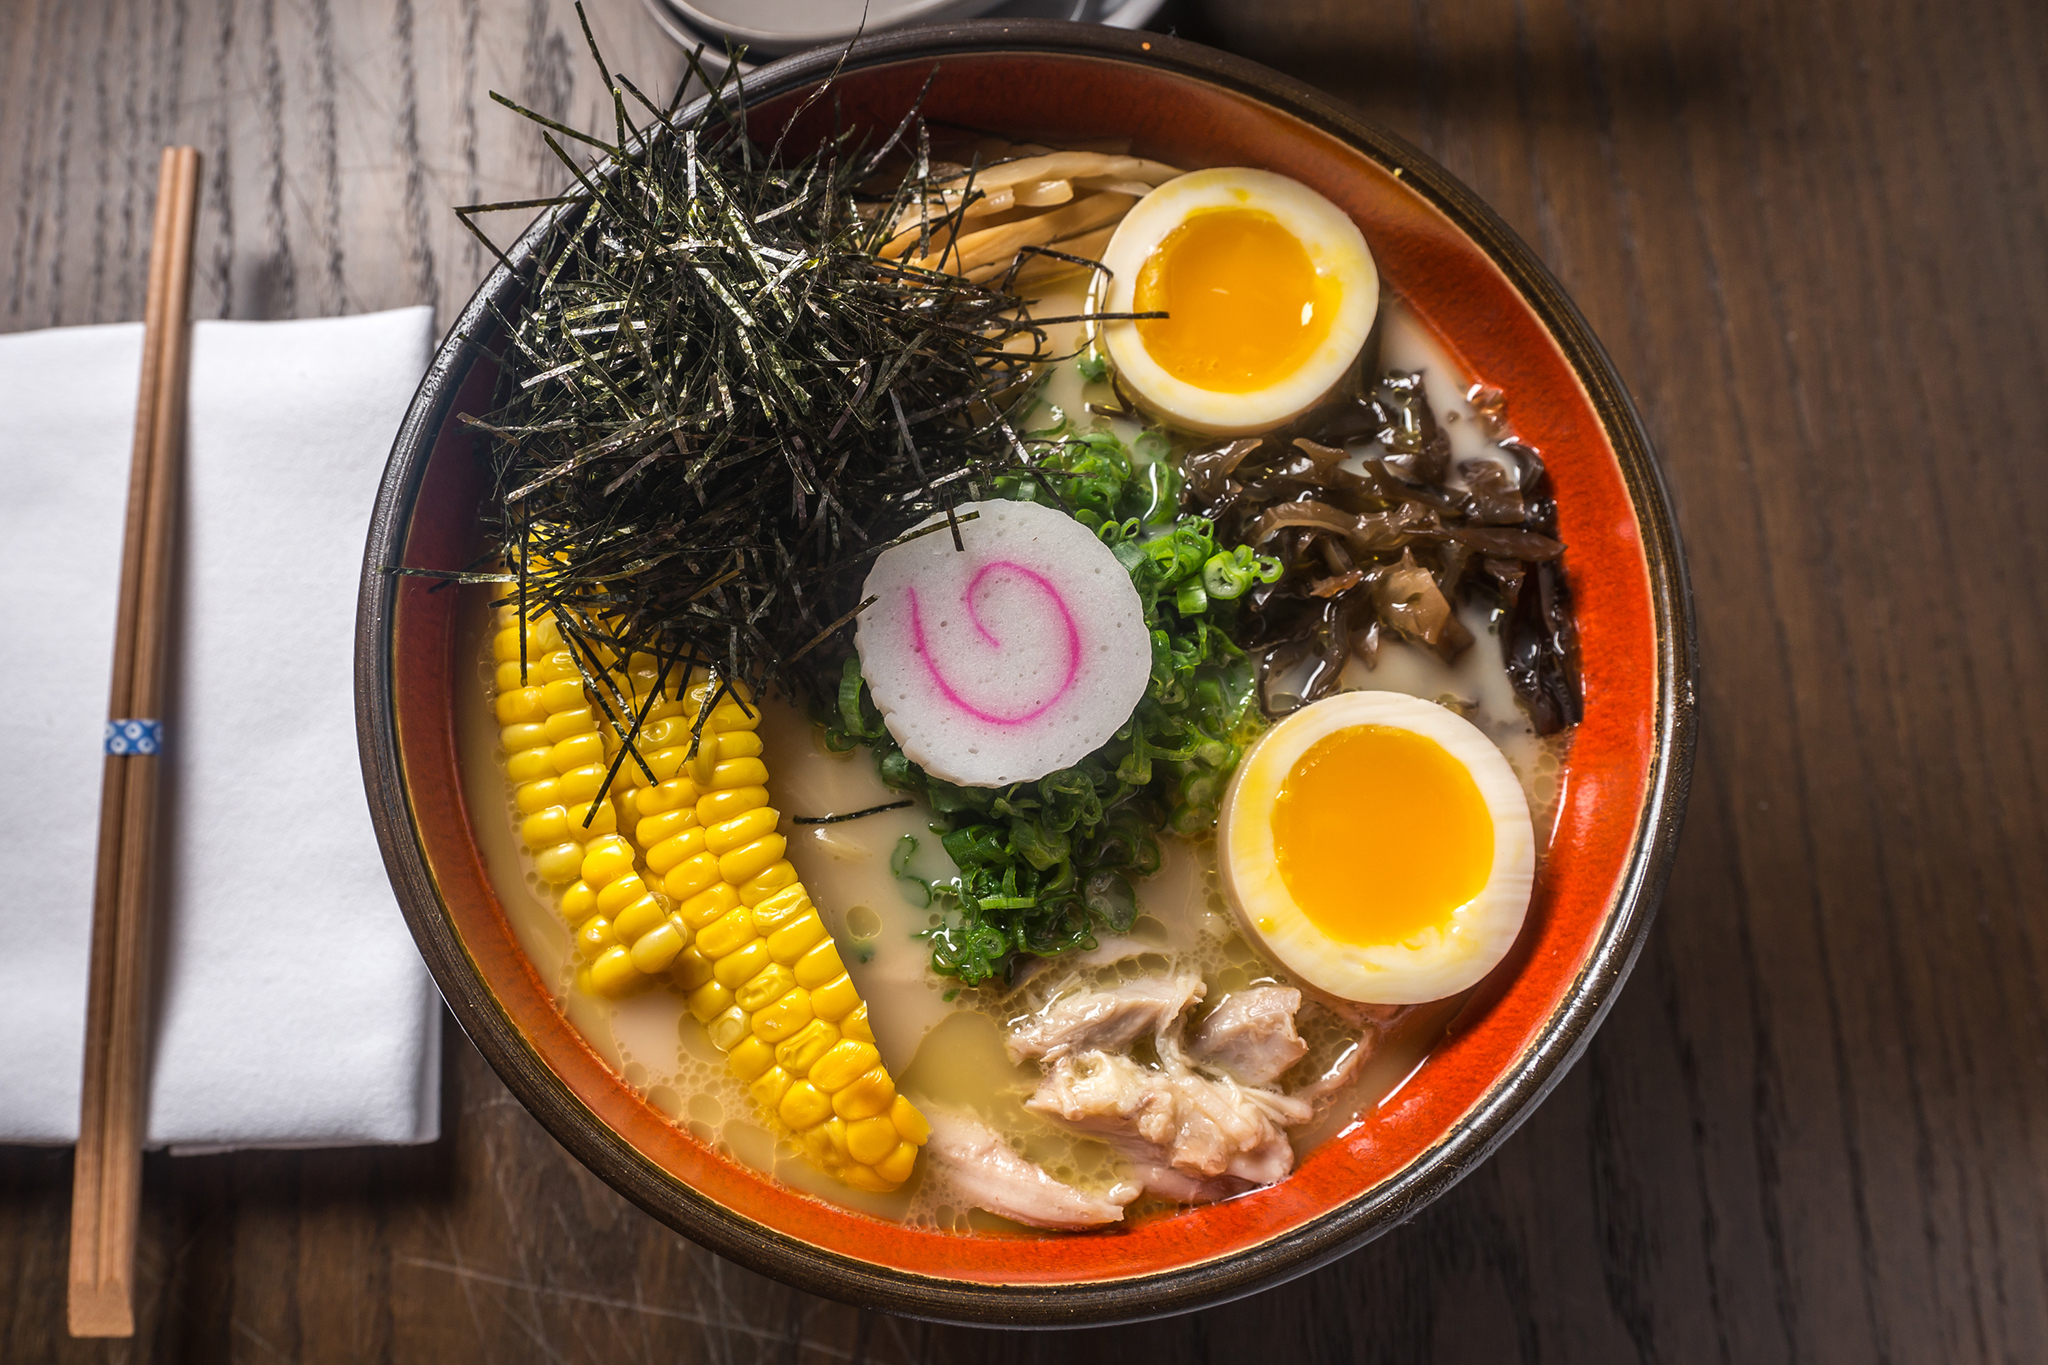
column 107, row 1172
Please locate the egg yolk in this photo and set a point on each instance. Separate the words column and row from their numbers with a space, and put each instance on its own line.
column 1246, row 306
column 1381, row 834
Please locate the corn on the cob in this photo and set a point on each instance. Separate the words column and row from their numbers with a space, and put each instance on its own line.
column 731, row 926
column 556, row 758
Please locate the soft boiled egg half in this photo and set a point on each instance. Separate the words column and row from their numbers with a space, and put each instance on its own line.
column 1269, row 293
column 1380, row 847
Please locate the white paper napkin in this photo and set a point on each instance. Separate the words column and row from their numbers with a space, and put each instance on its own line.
column 293, row 1009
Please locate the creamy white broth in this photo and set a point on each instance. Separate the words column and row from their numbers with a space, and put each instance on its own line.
column 945, row 1050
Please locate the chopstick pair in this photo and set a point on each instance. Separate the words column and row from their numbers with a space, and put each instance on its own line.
column 107, row 1172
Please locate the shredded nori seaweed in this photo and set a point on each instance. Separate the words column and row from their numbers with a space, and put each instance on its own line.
column 716, row 402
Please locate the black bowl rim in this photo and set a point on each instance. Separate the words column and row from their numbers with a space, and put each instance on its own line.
column 1562, row 1038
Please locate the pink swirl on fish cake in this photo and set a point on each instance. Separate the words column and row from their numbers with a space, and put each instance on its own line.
column 922, row 645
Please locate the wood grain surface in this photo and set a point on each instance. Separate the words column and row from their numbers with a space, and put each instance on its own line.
column 1813, row 233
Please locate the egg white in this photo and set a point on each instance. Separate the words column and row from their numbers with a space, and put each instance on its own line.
column 1438, row 961
column 1335, row 248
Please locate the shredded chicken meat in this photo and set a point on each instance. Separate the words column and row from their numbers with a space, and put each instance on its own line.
column 1196, row 1125
column 1251, row 1035
column 1104, row 1020
column 1205, row 1120
column 990, row 1174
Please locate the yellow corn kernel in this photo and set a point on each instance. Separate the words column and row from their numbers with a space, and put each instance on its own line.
column 521, row 706
column 709, row 1000
column 531, row 765
column 707, row 905
column 871, row 1093
column 613, row 972
column 796, row 938
column 835, row 999
column 766, row 986
column 855, row 1025
column 734, row 744
column 618, row 893
column 557, row 667
column 654, row 950
column 739, row 772
column 667, row 763
column 505, row 646
column 545, row 827
column 677, row 793
column 579, row 902
column 508, row 679
column 783, row 1016
column 799, row 1053
column 896, row 1167
column 750, row 1058
column 664, row 857
column 665, row 733
column 763, row 885
column 909, row 1122
column 869, row 1140
column 560, row 863
column 518, row 739
column 862, row 1177
column 771, row 912
column 562, row 724
column 640, row 917
column 609, row 857
column 717, row 806
column 742, row 863
column 803, row 1106
column 820, row 965
column 741, row 965
column 728, row 1028
column 537, row 795
column 726, row 933
column 771, row 1085
column 542, row 636
column 726, row 835
column 576, row 751
column 690, row 969
column 819, row 1148
column 583, row 784
column 588, row 819
column 564, row 694
column 690, row 876
column 667, row 711
column 652, row 829
column 843, row 1065
column 594, row 938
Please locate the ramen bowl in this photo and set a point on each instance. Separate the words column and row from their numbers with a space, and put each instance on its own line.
column 1499, row 312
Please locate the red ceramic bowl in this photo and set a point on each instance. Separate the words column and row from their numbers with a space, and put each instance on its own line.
column 1467, row 275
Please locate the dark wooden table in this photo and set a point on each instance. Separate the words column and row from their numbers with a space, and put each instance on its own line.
column 1814, row 234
